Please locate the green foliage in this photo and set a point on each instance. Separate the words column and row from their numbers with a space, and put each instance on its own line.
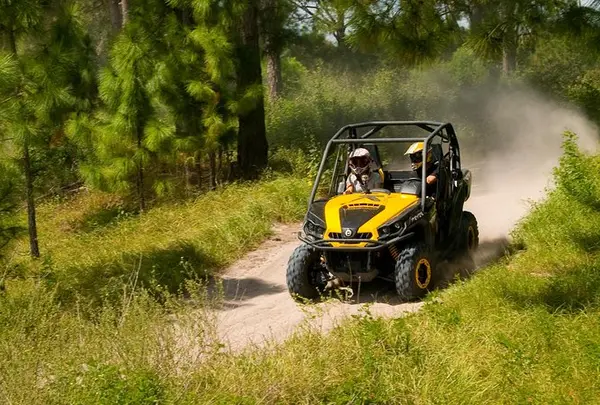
column 585, row 91
column 451, row 90
column 577, row 173
column 557, row 64
column 107, row 385
column 410, row 32
column 135, row 127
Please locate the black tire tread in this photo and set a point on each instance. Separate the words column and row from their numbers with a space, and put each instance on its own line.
column 297, row 273
column 465, row 259
column 403, row 275
column 467, row 219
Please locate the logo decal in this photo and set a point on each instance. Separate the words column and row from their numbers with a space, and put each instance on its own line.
column 348, row 233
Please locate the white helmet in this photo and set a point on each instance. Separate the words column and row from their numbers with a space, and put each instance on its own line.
column 360, row 161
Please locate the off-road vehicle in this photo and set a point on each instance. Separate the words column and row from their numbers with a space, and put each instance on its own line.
column 397, row 233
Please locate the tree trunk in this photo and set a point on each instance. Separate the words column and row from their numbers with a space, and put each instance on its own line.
column 220, row 165
column 140, row 175
column 34, row 248
column 509, row 54
column 476, row 16
column 212, row 159
column 274, row 78
column 125, row 11
column 13, row 41
column 252, row 139
column 270, row 29
column 116, row 18
column 340, row 32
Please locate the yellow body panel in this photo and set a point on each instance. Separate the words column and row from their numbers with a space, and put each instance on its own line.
column 394, row 204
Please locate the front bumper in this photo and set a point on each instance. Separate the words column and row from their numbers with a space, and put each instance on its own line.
column 371, row 244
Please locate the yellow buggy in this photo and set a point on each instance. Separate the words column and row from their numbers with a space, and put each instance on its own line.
column 397, row 232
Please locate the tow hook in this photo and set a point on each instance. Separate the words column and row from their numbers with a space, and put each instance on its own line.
column 336, row 283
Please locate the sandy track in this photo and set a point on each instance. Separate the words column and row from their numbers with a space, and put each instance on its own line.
column 258, row 306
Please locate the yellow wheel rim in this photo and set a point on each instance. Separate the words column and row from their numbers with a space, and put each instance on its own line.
column 423, row 273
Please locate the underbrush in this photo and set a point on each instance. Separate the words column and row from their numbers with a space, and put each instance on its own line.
column 450, row 91
column 92, row 246
column 118, row 310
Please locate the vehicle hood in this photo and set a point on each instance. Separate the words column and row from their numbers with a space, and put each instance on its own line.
column 356, row 215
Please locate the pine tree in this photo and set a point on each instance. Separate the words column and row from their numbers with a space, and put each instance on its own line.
column 503, row 27
column 411, row 32
column 275, row 34
column 200, row 91
column 331, row 17
column 231, row 28
column 43, row 82
column 134, row 129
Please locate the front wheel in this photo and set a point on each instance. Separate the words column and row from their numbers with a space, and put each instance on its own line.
column 414, row 272
column 304, row 273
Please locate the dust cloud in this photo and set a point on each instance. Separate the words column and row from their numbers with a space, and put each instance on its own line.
column 512, row 163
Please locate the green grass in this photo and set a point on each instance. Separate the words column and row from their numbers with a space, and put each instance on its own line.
column 91, row 247
column 525, row 329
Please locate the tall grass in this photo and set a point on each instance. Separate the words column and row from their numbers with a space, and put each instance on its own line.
column 91, row 247
column 102, row 318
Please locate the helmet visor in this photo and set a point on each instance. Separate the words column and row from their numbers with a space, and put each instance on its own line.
column 416, row 157
column 359, row 161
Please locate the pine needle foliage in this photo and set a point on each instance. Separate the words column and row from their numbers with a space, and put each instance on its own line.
column 45, row 73
column 134, row 131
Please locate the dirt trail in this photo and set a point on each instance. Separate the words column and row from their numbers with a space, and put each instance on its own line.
column 258, row 306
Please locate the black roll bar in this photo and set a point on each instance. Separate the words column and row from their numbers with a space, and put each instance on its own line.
column 434, row 128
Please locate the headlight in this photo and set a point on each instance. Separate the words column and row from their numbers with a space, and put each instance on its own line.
column 392, row 228
column 312, row 228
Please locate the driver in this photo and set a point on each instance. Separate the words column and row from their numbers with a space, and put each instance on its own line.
column 360, row 163
column 415, row 153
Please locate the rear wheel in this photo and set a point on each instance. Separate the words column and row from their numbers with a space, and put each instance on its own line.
column 414, row 272
column 468, row 243
column 305, row 273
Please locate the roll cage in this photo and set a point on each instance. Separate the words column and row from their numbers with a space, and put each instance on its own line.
column 350, row 136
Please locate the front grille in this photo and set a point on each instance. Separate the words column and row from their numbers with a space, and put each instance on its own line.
column 360, row 235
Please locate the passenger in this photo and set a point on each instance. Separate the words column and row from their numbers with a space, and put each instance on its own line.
column 415, row 153
column 361, row 163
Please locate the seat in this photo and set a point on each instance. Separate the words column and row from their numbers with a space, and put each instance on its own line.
column 394, row 178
